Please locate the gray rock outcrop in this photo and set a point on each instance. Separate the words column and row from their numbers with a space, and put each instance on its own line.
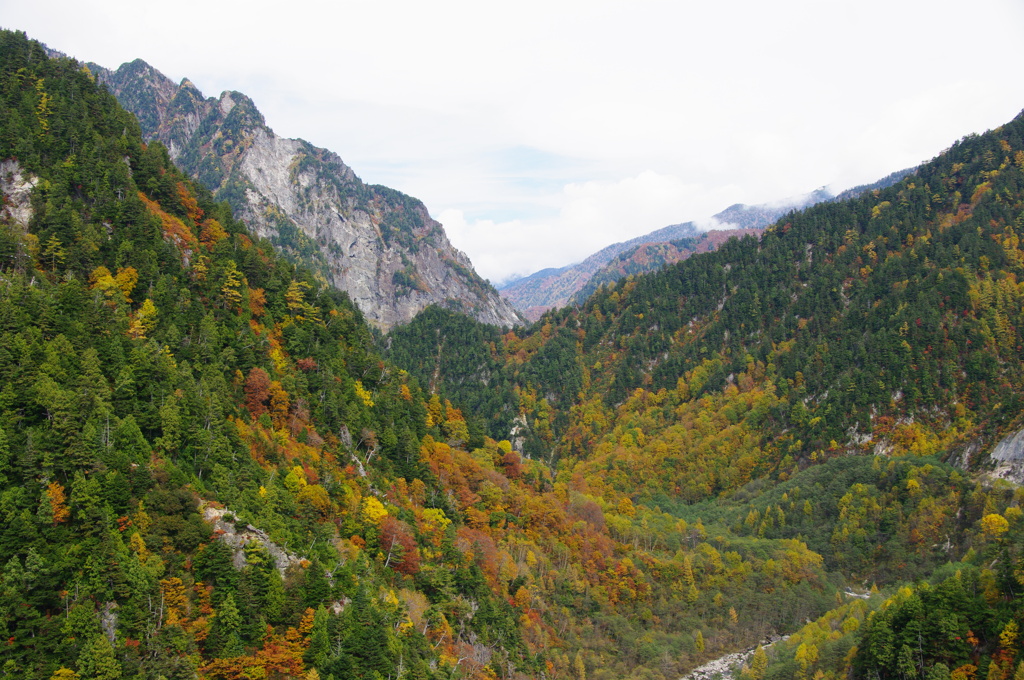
column 1008, row 456
column 237, row 536
column 16, row 189
column 729, row 666
column 376, row 244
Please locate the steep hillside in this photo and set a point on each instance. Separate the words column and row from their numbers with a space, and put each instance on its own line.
column 895, row 305
column 651, row 257
column 851, row 380
column 750, row 221
column 207, row 471
column 377, row 244
column 554, row 288
column 157, row 363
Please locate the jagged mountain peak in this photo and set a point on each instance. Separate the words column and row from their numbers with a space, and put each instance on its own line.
column 375, row 243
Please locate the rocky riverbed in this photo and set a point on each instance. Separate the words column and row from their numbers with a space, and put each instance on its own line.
column 728, row 667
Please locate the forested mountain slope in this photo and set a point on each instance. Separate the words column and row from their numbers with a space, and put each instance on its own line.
column 813, row 384
column 377, row 244
column 555, row 288
column 153, row 356
column 206, row 469
column 894, row 310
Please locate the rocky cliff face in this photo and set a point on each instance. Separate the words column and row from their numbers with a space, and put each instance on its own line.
column 15, row 195
column 1008, row 457
column 377, row 244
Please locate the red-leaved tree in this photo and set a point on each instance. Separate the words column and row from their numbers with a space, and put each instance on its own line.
column 399, row 546
column 257, row 391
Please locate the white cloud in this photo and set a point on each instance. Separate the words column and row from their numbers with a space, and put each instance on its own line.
column 539, row 131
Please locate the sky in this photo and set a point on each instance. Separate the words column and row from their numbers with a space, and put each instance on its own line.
column 540, row 132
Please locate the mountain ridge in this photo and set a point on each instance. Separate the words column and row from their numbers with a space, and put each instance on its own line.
column 653, row 255
column 377, row 244
column 552, row 288
column 850, row 382
column 691, row 461
column 556, row 287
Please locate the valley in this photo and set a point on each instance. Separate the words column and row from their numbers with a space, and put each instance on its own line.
column 220, row 458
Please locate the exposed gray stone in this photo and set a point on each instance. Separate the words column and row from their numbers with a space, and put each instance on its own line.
column 376, row 244
column 1008, row 455
column 108, row 620
column 728, row 667
column 1010, row 449
column 16, row 188
column 236, row 536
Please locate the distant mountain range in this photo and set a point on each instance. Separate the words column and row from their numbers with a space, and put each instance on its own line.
column 652, row 256
column 553, row 288
column 377, row 244
column 557, row 287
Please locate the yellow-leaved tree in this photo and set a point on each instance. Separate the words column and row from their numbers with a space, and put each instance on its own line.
column 994, row 525
column 143, row 321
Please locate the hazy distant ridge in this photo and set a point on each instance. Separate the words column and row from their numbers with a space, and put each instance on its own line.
column 548, row 288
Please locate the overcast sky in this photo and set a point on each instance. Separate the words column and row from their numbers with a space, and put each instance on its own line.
column 539, row 132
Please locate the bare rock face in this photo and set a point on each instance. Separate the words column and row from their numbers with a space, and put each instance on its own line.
column 376, row 244
column 15, row 189
column 16, row 212
column 1008, row 456
column 237, row 537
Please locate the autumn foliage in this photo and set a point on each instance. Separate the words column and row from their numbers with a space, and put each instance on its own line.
column 257, row 391
column 397, row 541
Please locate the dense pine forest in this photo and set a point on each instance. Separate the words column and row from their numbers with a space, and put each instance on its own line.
column 211, row 467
